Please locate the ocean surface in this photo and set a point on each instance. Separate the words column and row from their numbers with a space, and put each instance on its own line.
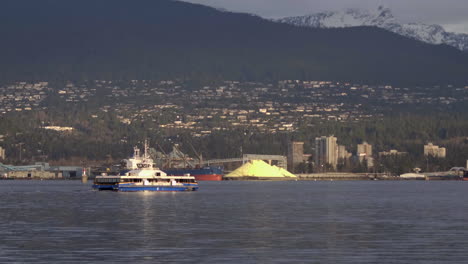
column 237, row 222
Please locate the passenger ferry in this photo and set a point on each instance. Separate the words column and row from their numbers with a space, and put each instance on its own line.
column 146, row 177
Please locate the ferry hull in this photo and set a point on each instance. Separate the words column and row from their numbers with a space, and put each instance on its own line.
column 133, row 188
column 157, row 189
column 102, row 187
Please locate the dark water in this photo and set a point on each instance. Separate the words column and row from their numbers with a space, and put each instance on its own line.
column 236, row 222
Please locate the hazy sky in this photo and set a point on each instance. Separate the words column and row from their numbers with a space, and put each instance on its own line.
column 452, row 14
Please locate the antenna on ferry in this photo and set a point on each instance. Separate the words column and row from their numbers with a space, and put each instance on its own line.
column 146, row 149
column 136, row 152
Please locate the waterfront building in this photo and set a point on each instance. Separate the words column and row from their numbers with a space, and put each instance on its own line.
column 343, row 154
column 364, row 153
column 326, row 151
column 41, row 170
column 2, row 153
column 295, row 154
column 434, row 151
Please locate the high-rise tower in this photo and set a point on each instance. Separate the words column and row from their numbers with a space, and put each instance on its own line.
column 326, row 151
column 295, row 154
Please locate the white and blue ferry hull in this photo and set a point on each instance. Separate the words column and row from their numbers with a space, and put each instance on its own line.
column 155, row 188
column 146, row 188
column 102, row 187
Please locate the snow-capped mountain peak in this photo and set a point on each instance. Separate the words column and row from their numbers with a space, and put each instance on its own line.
column 381, row 17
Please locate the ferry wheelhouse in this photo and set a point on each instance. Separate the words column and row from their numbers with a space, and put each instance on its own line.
column 145, row 177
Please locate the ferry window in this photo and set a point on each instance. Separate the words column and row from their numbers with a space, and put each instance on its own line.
column 158, row 174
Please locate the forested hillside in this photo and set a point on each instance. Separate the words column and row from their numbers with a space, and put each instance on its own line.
column 106, row 139
column 146, row 39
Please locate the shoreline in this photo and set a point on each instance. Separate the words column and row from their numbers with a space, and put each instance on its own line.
column 348, row 177
column 300, row 177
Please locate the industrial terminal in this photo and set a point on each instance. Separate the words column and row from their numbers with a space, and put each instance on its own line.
column 325, row 160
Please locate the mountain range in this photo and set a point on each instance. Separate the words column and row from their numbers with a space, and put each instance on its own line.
column 162, row 39
column 382, row 18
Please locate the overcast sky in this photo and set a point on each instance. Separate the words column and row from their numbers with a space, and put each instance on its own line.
column 452, row 14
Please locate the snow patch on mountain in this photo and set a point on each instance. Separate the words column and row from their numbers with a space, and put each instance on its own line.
column 383, row 18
